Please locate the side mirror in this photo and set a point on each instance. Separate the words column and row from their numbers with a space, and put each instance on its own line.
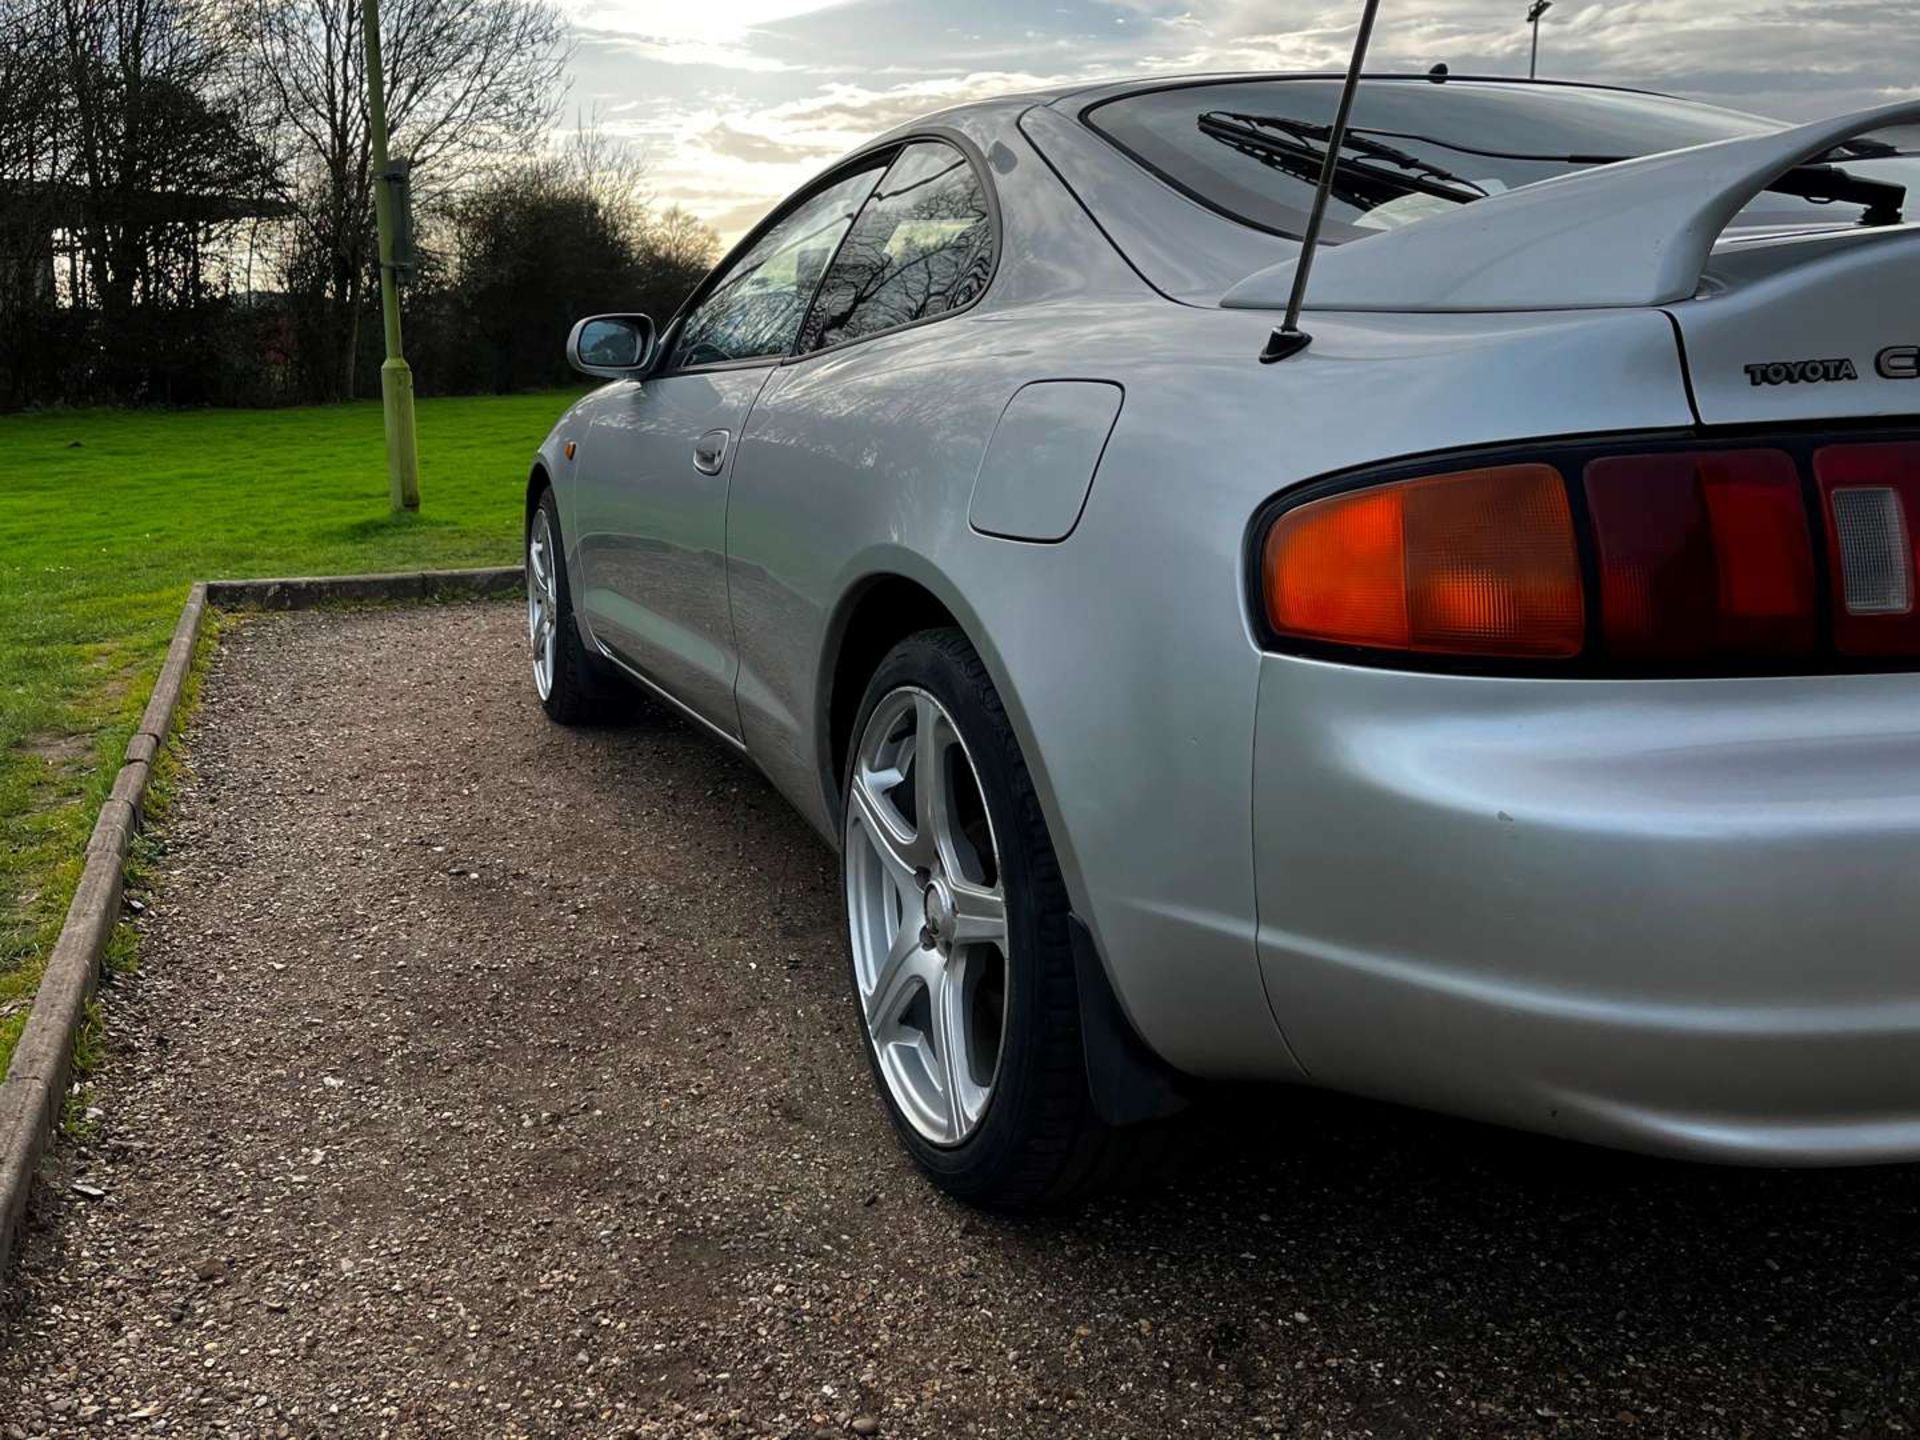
column 613, row 347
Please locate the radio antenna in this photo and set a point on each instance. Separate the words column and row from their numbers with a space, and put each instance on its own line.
column 1290, row 339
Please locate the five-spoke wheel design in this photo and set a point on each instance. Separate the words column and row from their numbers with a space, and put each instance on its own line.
column 543, row 601
column 928, row 914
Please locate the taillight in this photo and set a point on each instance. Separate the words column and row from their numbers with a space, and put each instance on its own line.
column 1480, row 562
column 1624, row 560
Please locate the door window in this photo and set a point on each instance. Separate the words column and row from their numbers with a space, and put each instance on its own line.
column 756, row 308
column 922, row 246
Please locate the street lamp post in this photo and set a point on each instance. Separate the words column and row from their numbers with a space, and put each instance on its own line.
column 396, row 379
column 1534, row 12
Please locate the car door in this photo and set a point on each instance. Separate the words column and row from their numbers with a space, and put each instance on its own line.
column 870, row 438
column 651, row 502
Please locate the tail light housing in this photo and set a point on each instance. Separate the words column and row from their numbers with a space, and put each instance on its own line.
column 1623, row 557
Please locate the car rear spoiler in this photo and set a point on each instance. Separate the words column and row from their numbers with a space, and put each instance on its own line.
column 1638, row 232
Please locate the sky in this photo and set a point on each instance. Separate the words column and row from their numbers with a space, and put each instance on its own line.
column 735, row 103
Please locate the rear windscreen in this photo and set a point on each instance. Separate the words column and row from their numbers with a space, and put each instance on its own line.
column 1253, row 149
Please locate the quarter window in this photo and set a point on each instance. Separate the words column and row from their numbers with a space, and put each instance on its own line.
column 756, row 308
column 922, row 246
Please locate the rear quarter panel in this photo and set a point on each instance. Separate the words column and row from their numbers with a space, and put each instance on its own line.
column 1124, row 653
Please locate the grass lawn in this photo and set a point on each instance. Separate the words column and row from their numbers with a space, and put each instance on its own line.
column 107, row 516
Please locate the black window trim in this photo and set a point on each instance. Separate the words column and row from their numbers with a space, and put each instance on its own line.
column 860, row 160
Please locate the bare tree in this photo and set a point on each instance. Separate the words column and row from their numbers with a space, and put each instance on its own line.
column 125, row 149
column 29, row 89
column 604, row 167
column 531, row 247
column 680, row 240
column 612, row 172
column 159, row 144
column 30, row 161
column 467, row 81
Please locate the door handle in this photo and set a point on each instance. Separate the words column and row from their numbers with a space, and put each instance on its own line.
column 710, row 452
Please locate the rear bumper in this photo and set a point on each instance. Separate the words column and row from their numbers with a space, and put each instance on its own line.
column 1676, row 916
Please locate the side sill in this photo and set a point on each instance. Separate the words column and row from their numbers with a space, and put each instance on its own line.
column 627, row 670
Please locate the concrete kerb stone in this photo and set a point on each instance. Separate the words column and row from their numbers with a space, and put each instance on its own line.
column 25, row 1109
column 172, row 680
column 113, row 832
column 305, row 592
column 45, row 1049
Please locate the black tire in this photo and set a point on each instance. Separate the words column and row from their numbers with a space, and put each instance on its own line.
column 584, row 690
column 1039, row 1145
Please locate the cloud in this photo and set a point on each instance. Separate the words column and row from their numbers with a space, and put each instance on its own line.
column 737, row 102
column 857, row 111
column 643, row 50
column 704, row 22
column 726, row 139
column 738, row 219
column 1794, row 57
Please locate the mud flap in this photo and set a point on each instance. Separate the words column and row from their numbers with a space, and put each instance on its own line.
column 1130, row 1085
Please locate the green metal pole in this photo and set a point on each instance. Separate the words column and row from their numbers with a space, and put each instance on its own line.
column 396, row 379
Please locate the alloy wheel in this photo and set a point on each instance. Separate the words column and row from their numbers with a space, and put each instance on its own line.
column 928, row 911
column 543, row 602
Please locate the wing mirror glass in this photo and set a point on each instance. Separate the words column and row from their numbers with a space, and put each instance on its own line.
column 614, row 347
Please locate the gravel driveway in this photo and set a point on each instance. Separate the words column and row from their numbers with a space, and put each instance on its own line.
column 484, row 1079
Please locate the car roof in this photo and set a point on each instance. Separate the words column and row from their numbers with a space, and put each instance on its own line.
column 1094, row 92
column 1082, row 94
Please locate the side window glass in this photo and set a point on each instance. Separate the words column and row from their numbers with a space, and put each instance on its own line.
column 922, row 246
column 757, row 307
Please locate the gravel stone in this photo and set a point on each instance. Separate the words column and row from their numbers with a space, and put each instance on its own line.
column 482, row 1078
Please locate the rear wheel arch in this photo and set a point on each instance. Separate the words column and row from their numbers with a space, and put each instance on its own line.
column 1130, row 1082
column 872, row 618
column 1070, row 1081
column 874, row 614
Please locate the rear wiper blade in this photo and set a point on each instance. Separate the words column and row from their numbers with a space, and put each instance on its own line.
column 1298, row 147
column 1818, row 182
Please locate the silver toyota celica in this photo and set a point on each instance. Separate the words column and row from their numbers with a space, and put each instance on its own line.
column 1502, row 701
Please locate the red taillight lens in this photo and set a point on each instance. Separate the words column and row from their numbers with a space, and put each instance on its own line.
column 1478, row 562
column 1871, row 495
column 1703, row 555
column 1795, row 555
